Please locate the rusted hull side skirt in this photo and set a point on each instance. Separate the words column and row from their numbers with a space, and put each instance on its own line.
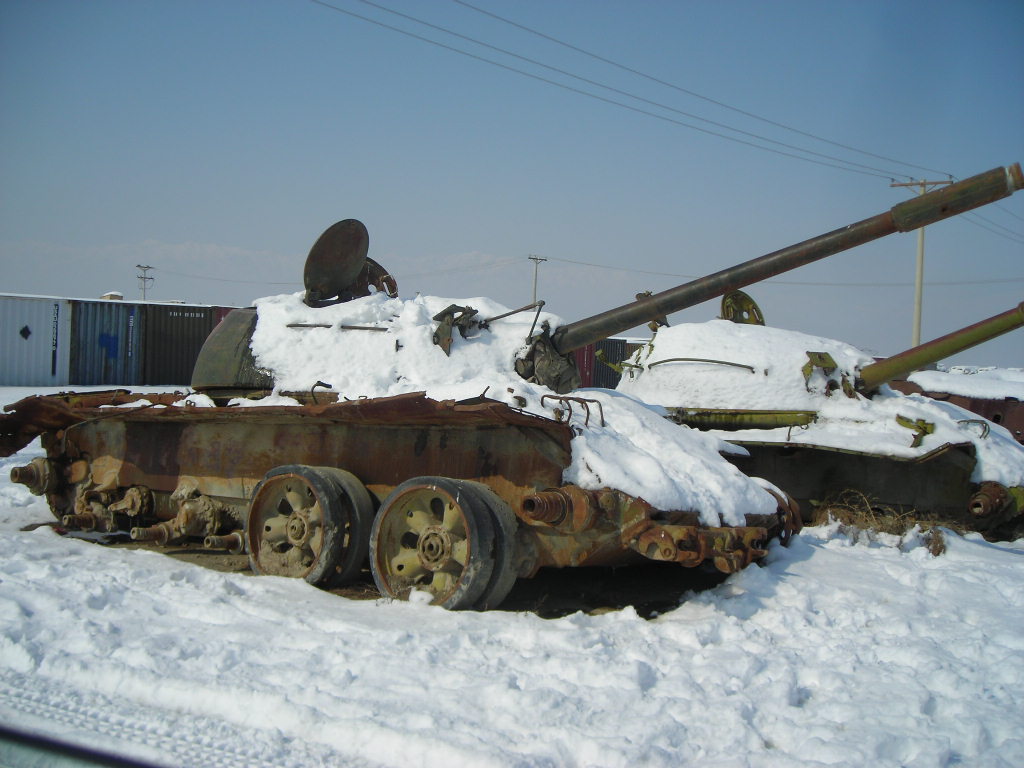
column 175, row 472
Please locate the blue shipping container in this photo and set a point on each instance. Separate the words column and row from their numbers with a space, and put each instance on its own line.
column 106, row 340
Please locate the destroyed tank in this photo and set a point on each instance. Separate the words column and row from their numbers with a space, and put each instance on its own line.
column 817, row 416
column 455, row 497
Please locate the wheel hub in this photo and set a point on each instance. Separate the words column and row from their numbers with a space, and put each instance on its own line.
column 434, row 548
column 298, row 530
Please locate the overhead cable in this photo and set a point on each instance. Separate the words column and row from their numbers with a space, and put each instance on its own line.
column 598, row 97
column 884, row 172
column 688, row 92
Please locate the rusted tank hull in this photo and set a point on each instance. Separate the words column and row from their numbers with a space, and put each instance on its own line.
column 937, row 482
column 936, row 486
column 451, row 489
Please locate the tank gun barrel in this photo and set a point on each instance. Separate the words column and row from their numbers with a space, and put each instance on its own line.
column 907, row 216
column 875, row 375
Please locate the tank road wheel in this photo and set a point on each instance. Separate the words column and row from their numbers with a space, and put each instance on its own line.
column 435, row 535
column 309, row 523
column 505, row 524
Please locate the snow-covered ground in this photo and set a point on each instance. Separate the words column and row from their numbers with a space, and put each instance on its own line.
column 841, row 650
column 833, row 652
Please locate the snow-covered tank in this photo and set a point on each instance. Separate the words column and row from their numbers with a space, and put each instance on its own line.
column 438, row 462
column 437, row 438
column 817, row 416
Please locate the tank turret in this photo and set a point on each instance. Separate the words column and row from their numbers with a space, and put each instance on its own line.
column 337, row 269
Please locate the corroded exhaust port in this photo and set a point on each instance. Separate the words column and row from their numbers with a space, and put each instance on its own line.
column 569, row 507
column 994, row 504
column 233, row 542
column 39, row 476
column 990, row 499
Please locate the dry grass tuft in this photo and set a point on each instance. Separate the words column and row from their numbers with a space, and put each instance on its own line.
column 860, row 516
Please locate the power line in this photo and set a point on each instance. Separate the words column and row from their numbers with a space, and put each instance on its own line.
column 1014, row 237
column 693, row 93
column 627, row 94
column 220, row 279
column 1006, row 210
column 790, row 282
column 474, row 268
column 507, row 262
column 598, row 97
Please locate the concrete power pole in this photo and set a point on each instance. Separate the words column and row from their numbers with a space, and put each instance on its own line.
column 536, row 263
column 144, row 279
column 923, row 186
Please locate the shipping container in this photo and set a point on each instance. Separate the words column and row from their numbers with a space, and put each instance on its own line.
column 609, row 352
column 585, row 363
column 220, row 313
column 174, row 334
column 106, row 341
column 35, row 341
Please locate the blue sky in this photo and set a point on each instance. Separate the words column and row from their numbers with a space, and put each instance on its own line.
column 216, row 140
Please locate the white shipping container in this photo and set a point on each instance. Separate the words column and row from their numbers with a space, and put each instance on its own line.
column 35, row 340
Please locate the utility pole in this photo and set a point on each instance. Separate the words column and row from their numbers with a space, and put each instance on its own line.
column 144, row 279
column 923, row 186
column 536, row 263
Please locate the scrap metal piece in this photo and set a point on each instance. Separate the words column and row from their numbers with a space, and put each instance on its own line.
column 568, row 401
column 701, row 360
column 538, row 305
column 335, row 262
column 379, row 278
column 451, row 317
column 738, row 307
column 920, row 428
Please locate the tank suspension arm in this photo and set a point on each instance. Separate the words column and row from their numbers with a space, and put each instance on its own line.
column 875, row 375
column 907, row 216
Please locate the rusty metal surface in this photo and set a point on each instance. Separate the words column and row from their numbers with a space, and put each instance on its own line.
column 938, row 482
column 178, row 471
column 335, row 261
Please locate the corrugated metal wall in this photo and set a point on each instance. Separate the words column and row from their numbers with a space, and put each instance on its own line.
column 35, row 341
column 596, row 373
column 613, row 351
column 585, row 364
column 106, row 343
column 174, row 334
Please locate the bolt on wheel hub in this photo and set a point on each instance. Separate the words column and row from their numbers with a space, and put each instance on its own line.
column 434, row 548
column 298, row 530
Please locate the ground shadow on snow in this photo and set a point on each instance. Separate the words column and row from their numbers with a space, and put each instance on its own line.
column 650, row 588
